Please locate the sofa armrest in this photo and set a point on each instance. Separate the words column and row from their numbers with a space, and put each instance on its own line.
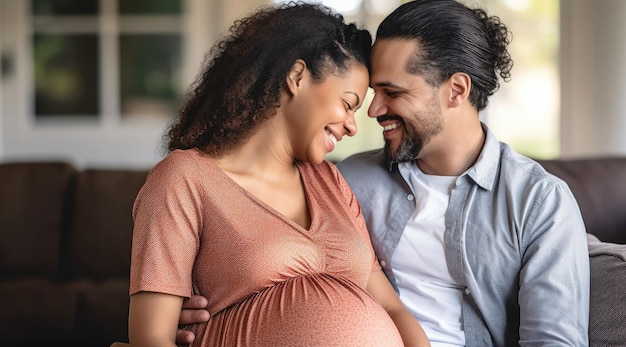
column 607, row 311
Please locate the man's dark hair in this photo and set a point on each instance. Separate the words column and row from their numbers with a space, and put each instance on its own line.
column 453, row 38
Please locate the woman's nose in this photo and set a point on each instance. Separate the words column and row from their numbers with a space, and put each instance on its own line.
column 350, row 125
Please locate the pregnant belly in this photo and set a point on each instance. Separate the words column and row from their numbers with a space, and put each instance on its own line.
column 318, row 310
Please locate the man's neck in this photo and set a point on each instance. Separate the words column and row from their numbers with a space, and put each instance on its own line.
column 452, row 158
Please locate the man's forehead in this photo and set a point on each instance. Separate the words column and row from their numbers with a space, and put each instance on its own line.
column 396, row 41
column 394, row 49
column 391, row 57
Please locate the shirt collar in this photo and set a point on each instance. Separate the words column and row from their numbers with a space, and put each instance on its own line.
column 484, row 171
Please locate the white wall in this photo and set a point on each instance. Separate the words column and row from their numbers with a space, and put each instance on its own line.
column 3, row 30
column 593, row 78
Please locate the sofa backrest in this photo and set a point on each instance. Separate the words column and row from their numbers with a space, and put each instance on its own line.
column 58, row 222
column 101, row 223
column 33, row 203
column 599, row 185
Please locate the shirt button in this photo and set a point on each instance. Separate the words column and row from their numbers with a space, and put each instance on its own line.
column 410, row 197
column 467, row 291
column 383, row 263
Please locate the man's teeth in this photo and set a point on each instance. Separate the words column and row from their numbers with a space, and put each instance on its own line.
column 391, row 126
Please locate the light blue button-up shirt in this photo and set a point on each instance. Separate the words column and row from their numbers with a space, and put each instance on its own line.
column 514, row 238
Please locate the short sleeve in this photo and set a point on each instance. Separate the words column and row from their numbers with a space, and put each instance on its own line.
column 167, row 223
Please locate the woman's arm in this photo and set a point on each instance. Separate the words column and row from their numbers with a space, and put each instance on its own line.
column 153, row 319
column 411, row 331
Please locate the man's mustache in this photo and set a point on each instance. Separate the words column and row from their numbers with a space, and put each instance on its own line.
column 385, row 117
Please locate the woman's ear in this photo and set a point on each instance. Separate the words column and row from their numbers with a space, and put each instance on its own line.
column 295, row 75
column 460, row 86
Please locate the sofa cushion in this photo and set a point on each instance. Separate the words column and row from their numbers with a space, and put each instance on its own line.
column 32, row 207
column 600, row 188
column 102, row 312
column 607, row 311
column 36, row 311
column 101, row 231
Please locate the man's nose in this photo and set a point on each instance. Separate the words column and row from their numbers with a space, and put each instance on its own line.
column 377, row 107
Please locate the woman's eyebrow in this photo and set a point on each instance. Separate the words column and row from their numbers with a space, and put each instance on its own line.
column 358, row 99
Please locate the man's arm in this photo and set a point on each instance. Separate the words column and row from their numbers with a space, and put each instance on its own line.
column 554, row 278
column 193, row 312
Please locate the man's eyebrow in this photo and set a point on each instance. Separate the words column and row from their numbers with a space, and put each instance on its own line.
column 358, row 99
column 386, row 84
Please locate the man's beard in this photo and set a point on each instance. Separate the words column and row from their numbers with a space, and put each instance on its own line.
column 409, row 148
column 413, row 140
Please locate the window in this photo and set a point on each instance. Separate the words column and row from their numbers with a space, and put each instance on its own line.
column 107, row 58
column 95, row 82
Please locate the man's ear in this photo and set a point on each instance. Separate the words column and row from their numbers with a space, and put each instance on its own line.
column 460, row 85
column 295, row 75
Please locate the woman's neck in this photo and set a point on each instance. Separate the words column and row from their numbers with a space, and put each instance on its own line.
column 265, row 154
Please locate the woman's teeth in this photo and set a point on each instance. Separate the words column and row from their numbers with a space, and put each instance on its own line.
column 331, row 137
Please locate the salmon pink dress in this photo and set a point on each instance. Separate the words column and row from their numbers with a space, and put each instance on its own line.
column 268, row 281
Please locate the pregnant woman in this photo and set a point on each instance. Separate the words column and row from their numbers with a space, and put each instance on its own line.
column 244, row 209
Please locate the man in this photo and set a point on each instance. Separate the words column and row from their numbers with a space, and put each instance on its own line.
column 483, row 245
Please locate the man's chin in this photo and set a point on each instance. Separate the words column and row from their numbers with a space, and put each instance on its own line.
column 392, row 153
column 400, row 154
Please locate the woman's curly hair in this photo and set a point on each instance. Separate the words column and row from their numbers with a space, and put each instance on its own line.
column 244, row 73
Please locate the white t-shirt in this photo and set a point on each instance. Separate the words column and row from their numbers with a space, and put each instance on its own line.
column 419, row 263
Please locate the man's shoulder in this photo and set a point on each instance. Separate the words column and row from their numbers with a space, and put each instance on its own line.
column 367, row 160
column 365, row 170
column 500, row 164
column 518, row 169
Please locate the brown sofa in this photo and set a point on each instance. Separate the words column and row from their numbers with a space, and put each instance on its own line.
column 64, row 254
column 65, row 250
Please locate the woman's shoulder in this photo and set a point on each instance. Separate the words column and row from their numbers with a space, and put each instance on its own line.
column 181, row 165
column 185, row 156
column 183, row 160
column 324, row 169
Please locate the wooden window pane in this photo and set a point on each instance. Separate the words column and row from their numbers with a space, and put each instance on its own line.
column 64, row 7
column 149, row 73
column 66, row 74
column 162, row 7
